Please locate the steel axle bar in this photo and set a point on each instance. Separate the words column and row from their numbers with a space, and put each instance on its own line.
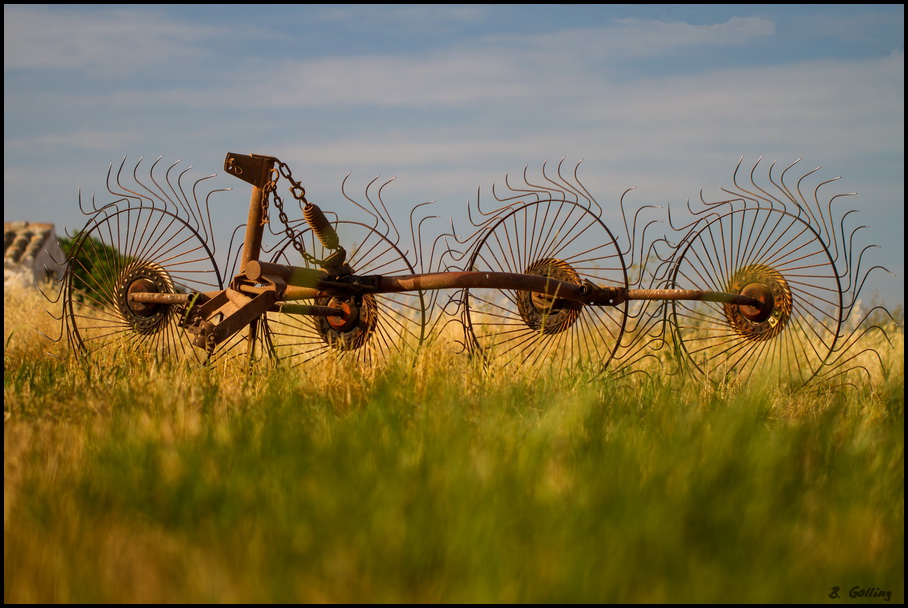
column 585, row 293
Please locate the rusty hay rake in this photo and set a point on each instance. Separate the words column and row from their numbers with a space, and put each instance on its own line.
column 760, row 283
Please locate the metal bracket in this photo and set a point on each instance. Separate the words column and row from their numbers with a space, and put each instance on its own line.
column 188, row 311
column 254, row 169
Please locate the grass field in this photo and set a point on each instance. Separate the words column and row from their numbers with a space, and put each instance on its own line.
column 129, row 481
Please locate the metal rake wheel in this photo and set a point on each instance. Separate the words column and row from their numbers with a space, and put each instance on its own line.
column 124, row 250
column 377, row 328
column 152, row 239
column 562, row 240
column 777, row 258
column 782, row 245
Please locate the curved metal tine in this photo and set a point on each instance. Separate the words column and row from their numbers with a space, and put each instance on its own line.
column 785, row 199
column 50, row 300
column 860, row 326
column 416, row 236
column 560, row 191
column 123, row 196
column 49, row 338
column 581, row 190
column 644, row 260
column 798, row 200
column 782, row 187
column 94, row 207
column 161, row 193
column 704, row 216
column 454, row 299
column 638, row 354
column 542, row 192
column 845, row 251
column 385, row 216
column 627, row 232
column 517, row 193
column 802, row 211
column 585, row 193
column 53, row 258
column 490, row 216
column 195, row 218
column 202, row 220
column 834, row 367
column 481, row 222
column 857, row 291
column 443, row 317
column 374, row 214
column 374, row 226
column 234, row 251
column 179, row 195
column 152, row 195
column 671, row 223
column 632, row 234
column 576, row 188
column 841, row 233
column 824, row 382
column 849, row 258
column 453, row 255
column 828, row 225
column 863, row 278
column 479, row 228
column 413, row 215
column 819, row 217
column 126, row 197
column 745, row 194
column 209, row 236
column 49, row 272
column 54, row 301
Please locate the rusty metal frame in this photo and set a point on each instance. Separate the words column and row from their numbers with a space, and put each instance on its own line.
column 729, row 253
column 262, row 286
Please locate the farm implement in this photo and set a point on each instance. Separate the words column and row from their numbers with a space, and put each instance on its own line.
column 762, row 282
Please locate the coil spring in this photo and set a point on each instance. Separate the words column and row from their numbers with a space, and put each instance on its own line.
column 321, row 226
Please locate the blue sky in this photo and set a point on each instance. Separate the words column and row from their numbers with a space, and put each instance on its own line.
column 450, row 98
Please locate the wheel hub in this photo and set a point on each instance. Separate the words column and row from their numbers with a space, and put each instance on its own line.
column 551, row 314
column 769, row 287
column 352, row 330
column 143, row 277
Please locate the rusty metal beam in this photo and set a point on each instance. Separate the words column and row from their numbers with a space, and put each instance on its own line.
column 254, row 169
column 153, row 297
column 586, row 293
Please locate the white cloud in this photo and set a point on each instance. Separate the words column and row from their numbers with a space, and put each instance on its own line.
column 400, row 15
column 495, row 68
column 631, row 38
column 106, row 41
column 448, row 119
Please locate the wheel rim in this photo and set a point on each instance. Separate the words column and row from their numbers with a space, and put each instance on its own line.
column 563, row 240
column 776, row 257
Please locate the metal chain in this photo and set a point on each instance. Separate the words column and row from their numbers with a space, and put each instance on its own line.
column 299, row 193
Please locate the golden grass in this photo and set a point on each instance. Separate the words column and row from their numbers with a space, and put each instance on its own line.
column 439, row 479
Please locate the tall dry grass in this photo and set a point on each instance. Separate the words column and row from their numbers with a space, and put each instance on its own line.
column 439, row 479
